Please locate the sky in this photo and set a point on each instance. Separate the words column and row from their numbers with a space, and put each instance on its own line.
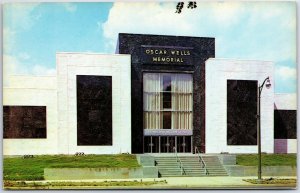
column 34, row 32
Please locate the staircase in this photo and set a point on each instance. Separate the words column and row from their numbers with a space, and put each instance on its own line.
column 214, row 166
column 192, row 166
column 169, row 166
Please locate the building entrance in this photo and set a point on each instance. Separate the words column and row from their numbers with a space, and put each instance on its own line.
column 168, row 112
column 167, row 144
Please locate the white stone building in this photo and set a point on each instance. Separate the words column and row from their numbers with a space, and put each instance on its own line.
column 133, row 102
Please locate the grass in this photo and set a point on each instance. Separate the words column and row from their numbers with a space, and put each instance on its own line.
column 49, row 185
column 18, row 168
column 272, row 181
column 267, row 159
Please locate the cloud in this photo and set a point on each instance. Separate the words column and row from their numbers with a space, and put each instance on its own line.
column 10, row 66
column 225, row 13
column 285, row 72
column 42, row 70
column 20, row 15
column 269, row 32
column 8, row 39
column 70, row 7
column 242, row 30
column 147, row 18
column 24, row 56
column 246, row 30
column 14, row 66
column 17, row 17
column 208, row 20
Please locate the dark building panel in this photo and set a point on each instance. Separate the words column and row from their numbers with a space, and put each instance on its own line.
column 24, row 122
column 241, row 112
column 280, row 146
column 285, row 126
column 178, row 54
column 94, row 110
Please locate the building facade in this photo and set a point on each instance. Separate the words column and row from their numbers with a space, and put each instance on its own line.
column 157, row 94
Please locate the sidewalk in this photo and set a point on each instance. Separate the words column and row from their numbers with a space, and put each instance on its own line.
column 224, row 182
column 188, row 183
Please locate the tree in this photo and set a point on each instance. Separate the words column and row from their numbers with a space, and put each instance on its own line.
column 191, row 5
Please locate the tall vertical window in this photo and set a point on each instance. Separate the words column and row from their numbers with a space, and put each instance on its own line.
column 241, row 112
column 168, row 101
column 94, row 110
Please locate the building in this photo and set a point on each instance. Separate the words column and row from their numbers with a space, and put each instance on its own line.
column 156, row 94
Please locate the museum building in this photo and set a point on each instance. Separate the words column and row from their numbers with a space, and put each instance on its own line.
column 157, row 94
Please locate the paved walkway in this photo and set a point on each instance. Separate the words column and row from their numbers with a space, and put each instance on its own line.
column 220, row 182
column 226, row 182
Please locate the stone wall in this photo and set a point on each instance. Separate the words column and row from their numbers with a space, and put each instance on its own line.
column 266, row 170
column 218, row 71
column 69, row 65
column 99, row 173
column 33, row 91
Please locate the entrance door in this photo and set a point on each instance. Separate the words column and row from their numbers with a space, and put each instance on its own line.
column 172, row 142
column 164, row 144
column 184, row 144
column 180, row 144
column 167, row 144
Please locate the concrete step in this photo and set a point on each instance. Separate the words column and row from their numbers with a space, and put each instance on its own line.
column 189, row 168
column 173, row 165
column 192, row 169
column 169, row 169
column 169, row 166
column 170, row 172
column 222, row 174
column 167, row 161
column 195, row 171
column 191, row 164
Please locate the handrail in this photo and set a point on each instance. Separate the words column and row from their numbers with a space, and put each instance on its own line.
column 201, row 160
column 178, row 160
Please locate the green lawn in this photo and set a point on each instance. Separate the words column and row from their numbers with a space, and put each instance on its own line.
column 33, row 168
column 267, row 159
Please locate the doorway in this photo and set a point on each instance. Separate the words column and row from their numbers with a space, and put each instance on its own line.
column 167, row 144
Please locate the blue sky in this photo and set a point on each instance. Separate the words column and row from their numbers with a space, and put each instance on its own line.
column 33, row 33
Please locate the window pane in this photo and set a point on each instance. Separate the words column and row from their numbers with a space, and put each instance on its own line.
column 171, row 143
column 147, row 144
column 167, row 83
column 168, row 92
column 155, row 142
column 180, row 144
column 164, row 147
column 167, row 120
column 167, row 100
column 188, row 144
